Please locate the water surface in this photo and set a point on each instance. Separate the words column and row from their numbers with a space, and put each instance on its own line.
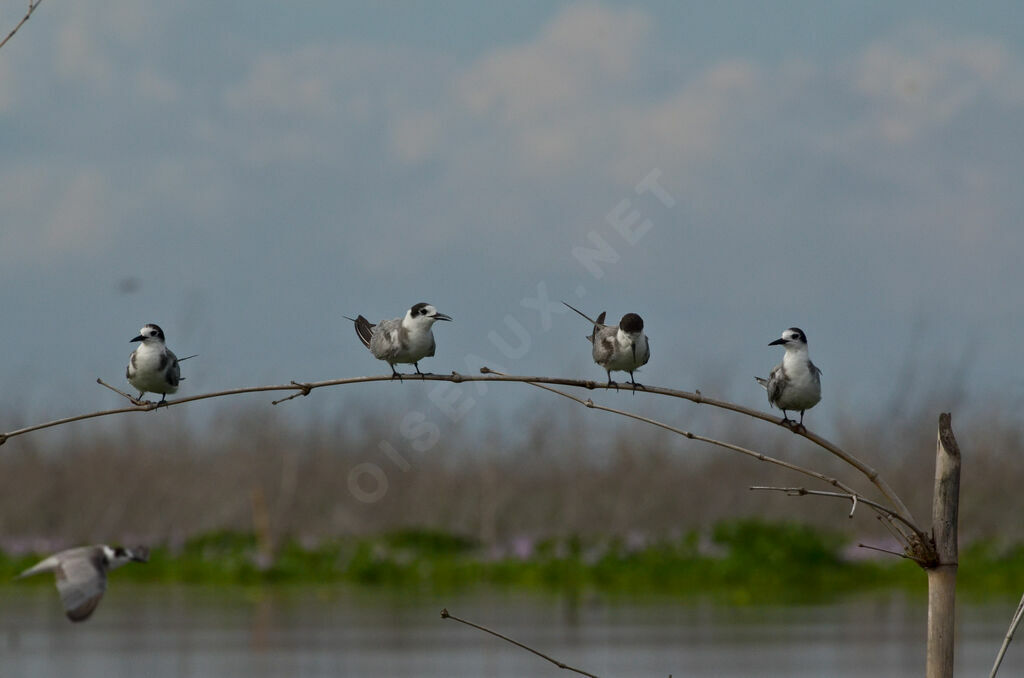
column 155, row 631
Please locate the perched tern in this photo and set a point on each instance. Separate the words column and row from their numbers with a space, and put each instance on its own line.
column 401, row 340
column 153, row 368
column 795, row 383
column 623, row 347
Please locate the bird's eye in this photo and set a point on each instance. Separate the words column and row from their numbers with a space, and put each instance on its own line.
column 423, row 311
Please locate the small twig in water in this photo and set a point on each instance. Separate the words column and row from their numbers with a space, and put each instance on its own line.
column 562, row 665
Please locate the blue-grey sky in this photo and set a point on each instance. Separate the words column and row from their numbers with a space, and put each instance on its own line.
column 245, row 173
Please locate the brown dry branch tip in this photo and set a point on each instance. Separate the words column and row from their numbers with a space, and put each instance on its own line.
column 562, row 665
column 32, row 5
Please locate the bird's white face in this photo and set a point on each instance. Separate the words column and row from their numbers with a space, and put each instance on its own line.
column 423, row 316
column 118, row 556
column 149, row 334
column 792, row 339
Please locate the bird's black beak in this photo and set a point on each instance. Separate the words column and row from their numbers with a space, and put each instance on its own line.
column 777, row 342
column 140, row 554
column 138, row 338
column 441, row 316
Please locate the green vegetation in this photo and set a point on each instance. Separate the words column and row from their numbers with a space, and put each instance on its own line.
column 744, row 562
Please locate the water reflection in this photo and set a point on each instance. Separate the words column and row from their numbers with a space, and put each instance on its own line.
column 158, row 632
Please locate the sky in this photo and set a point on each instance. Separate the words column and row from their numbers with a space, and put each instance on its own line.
column 246, row 173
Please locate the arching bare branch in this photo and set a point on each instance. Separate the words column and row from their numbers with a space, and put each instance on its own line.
column 488, row 375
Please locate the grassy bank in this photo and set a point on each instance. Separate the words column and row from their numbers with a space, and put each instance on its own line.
column 742, row 562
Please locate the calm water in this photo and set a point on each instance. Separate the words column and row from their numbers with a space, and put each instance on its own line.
column 156, row 632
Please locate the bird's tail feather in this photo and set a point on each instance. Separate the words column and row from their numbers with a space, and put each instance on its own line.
column 763, row 382
column 592, row 321
column 47, row 565
column 364, row 329
column 597, row 325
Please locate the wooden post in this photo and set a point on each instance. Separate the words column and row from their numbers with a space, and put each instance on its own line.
column 942, row 574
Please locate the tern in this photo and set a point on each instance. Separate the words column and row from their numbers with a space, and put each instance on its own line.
column 401, row 340
column 623, row 347
column 795, row 383
column 153, row 368
column 81, row 574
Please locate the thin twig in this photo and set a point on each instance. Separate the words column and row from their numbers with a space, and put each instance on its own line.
column 134, row 401
column 1014, row 623
column 891, row 553
column 562, row 665
column 848, row 495
column 305, row 389
column 897, row 534
column 31, row 8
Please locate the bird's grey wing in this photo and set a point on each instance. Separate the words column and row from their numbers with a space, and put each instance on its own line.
column 815, row 371
column 81, row 581
column 433, row 345
column 776, row 384
column 645, row 353
column 762, row 381
column 173, row 373
column 130, row 370
column 604, row 345
column 385, row 341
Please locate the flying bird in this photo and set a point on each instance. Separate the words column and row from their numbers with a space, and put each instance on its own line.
column 81, row 574
column 401, row 340
column 153, row 368
column 795, row 383
column 623, row 347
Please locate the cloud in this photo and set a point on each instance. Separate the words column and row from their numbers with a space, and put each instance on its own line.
column 55, row 216
column 585, row 48
column 919, row 80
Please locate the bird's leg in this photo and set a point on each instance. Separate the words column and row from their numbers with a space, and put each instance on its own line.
column 417, row 366
column 610, row 382
column 635, row 385
column 394, row 373
column 786, row 421
column 163, row 401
